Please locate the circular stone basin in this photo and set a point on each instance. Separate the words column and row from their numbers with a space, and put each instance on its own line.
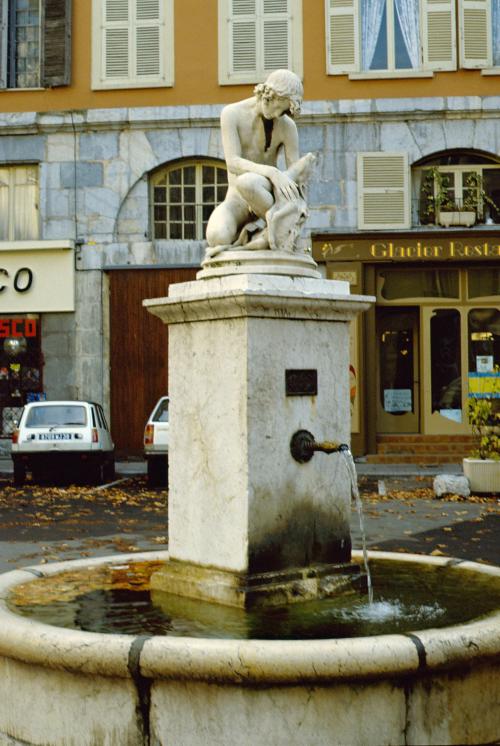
column 116, row 599
column 191, row 673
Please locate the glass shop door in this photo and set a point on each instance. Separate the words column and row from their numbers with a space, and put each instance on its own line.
column 398, row 401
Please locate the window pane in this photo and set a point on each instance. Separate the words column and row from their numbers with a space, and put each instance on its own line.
column 418, row 283
column 189, row 175
column 175, row 176
column 208, row 194
column 396, row 367
column 175, row 230
column 401, row 56
column 208, row 174
column 190, row 231
column 374, row 34
column 160, row 230
column 482, row 283
column 491, row 185
column 484, row 339
column 189, row 195
column 175, row 195
column 446, row 374
column 160, row 194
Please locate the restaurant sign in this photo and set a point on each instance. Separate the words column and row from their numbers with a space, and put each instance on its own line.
column 404, row 249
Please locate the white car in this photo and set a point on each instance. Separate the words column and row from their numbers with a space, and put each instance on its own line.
column 156, row 444
column 63, row 439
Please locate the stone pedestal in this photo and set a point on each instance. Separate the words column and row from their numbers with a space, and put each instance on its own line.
column 242, row 512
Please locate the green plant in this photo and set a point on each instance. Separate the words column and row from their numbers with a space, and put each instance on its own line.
column 437, row 195
column 484, row 418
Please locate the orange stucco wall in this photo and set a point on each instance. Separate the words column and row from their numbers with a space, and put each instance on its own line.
column 196, row 70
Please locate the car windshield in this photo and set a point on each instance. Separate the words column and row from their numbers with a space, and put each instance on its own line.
column 161, row 412
column 56, row 414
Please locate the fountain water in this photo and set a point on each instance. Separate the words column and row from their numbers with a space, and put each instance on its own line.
column 259, row 535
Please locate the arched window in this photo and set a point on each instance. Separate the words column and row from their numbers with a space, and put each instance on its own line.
column 183, row 195
column 458, row 182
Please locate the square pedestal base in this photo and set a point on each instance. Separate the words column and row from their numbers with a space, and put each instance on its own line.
column 257, row 589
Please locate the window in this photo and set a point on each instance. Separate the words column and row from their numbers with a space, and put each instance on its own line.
column 480, row 34
column 257, row 37
column 459, row 183
column 18, row 203
column 183, row 197
column 132, row 43
column 35, row 43
column 390, row 37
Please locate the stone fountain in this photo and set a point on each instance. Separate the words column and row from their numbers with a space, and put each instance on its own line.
column 259, row 506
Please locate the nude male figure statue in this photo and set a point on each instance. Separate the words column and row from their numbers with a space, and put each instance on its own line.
column 264, row 207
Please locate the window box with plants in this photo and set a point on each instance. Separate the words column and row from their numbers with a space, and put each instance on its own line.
column 482, row 468
column 441, row 205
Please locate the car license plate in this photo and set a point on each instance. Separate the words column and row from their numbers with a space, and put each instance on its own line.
column 54, row 436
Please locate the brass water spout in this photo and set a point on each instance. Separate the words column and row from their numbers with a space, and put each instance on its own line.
column 303, row 446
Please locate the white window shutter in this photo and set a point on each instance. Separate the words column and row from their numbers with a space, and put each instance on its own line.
column 257, row 37
column 383, row 191
column 475, row 33
column 4, row 15
column 148, row 58
column 116, row 40
column 275, row 35
column 243, row 37
column 342, row 29
column 132, row 43
column 439, row 35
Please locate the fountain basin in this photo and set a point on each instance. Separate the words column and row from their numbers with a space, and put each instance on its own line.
column 64, row 686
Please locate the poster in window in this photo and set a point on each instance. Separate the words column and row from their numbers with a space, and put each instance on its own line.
column 398, row 400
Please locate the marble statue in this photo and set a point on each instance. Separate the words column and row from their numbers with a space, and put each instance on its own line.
column 264, row 206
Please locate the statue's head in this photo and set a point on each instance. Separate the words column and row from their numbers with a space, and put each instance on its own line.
column 285, row 84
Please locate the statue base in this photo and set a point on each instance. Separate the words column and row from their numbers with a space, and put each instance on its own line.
column 248, row 262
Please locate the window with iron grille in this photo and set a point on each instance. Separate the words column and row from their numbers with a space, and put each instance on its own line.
column 183, row 197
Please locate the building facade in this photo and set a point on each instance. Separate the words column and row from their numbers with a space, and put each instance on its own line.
column 111, row 162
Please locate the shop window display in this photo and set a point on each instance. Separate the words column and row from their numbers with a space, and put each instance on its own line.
column 20, row 367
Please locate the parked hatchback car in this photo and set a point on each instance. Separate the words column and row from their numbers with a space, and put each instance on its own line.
column 67, row 439
column 156, row 444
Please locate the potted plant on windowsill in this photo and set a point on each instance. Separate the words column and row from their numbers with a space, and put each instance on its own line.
column 441, row 208
column 482, row 468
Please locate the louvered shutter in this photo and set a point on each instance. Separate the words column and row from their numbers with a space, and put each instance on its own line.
column 475, row 33
column 439, row 36
column 275, row 35
column 383, row 191
column 147, row 57
column 116, row 40
column 56, row 43
column 342, row 25
column 243, row 37
column 4, row 16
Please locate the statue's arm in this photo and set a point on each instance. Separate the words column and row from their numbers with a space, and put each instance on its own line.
column 290, row 142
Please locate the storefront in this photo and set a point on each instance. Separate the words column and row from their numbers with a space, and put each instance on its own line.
column 36, row 280
column 433, row 336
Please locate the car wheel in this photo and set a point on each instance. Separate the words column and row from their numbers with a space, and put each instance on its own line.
column 19, row 473
column 157, row 471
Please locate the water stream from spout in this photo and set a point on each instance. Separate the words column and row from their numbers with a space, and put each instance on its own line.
column 359, row 507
